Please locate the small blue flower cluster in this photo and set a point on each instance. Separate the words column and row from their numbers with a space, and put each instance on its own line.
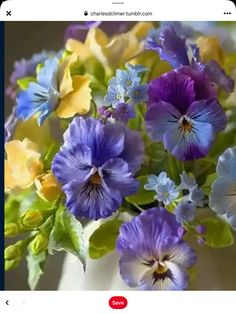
column 124, row 91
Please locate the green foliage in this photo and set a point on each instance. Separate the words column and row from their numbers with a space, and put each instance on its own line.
column 142, row 197
column 35, row 265
column 67, row 234
column 207, row 185
column 218, row 234
column 24, row 82
column 103, row 240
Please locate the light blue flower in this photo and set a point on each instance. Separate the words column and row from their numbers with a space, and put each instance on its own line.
column 42, row 96
column 138, row 94
column 223, row 195
column 115, row 95
column 127, row 79
column 185, row 211
column 138, row 68
column 165, row 188
column 187, row 181
column 196, row 196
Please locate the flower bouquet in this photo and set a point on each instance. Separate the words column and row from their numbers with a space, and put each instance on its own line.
column 131, row 124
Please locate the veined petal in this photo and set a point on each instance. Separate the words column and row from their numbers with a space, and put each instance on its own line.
column 191, row 144
column 209, row 111
column 223, row 196
column 226, row 166
column 31, row 101
column 174, row 88
column 78, row 100
column 160, row 118
column 47, row 75
column 76, row 164
column 116, row 175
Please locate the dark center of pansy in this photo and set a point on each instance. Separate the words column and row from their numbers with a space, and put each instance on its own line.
column 160, row 270
column 95, row 179
column 185, row 125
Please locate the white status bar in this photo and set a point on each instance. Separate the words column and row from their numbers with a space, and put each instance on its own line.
column 109, row 10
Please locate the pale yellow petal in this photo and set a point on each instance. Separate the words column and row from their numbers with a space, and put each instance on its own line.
column 40, row 135
column 47, row 187
column 64, row 76
column 22, row 165
column 210, row 49
column 78, row 101
column 141, row 29
column 80, row 49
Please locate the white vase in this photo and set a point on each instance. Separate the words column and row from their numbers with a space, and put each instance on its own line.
column 215, row 270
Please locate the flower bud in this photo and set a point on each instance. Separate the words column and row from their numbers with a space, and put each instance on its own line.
column 32, row 219
column 39, row 244
column 201, row 241
column 11, row 229
column 12, row 252
column 11, row 264
column 201, row 229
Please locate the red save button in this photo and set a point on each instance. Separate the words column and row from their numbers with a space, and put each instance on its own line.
column 118, row 302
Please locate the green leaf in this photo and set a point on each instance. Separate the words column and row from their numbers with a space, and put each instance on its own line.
column 67, row 234
column 218, row 234
column 207, row 185
column 103, row 240
column 142, row 197
column 35, row 265
column 24, row 82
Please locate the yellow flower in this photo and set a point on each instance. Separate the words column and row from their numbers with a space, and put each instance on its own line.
column 22, row 164
column 40, row 135
column 210, row 49
column 47, row 187
column 111, row 52
column 75, row 93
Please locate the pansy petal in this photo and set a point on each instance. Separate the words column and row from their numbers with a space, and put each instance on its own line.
column 133, row 151
column 132, row 269
column 116, row 174
column 75, row 162
column 209, row 111
column 47, row 75
column 226, row 166
column 223, row 196
column 181, row 254
column 90, row 202
column 78, row 100
column 30, row 101
column 176, row 279
column 218, row 76
column 161, row 117
column 189, row 145
column 174, row 88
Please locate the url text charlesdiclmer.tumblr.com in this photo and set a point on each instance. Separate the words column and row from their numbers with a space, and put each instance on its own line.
column 118, row 13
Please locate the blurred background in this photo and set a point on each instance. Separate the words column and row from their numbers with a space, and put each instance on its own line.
column 22, row 40
column 215, row 268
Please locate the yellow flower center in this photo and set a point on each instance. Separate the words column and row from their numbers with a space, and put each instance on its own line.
column 137, row 93
column 95, row 179
column 185, row 125
column 129, row 82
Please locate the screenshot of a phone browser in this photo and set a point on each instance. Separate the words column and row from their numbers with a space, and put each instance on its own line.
column 119, row 152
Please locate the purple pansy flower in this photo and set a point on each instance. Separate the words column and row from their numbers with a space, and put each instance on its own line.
column 152, row 255
column 184, row 113
column 96, row 166
column 172, row 47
